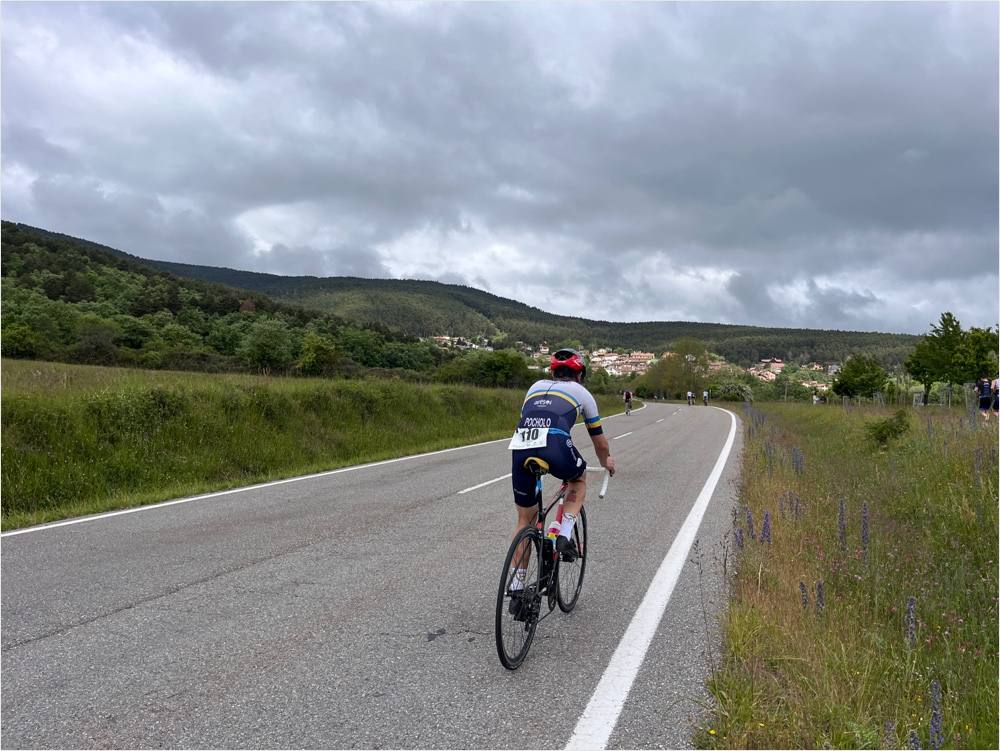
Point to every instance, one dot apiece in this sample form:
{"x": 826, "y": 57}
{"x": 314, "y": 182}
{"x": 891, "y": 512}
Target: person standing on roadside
{"x": 995, "y": 388}
{"x": 985, "y": 392}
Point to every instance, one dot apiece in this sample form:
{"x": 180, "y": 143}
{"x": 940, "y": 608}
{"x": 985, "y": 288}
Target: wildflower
{"x": 864, "y": 529}
{"x": 842, "y": 525}
{"x": 911, "y": 621}
{"x": 798, "y": 506}
{"x": 936, "y": 735}
{"x": 798, "y": 460}
{"x": 889, "y": 734}
{"x": 805, "y": 594}
{"x": 750, "y": 533}
{"x": 711, "y": 731}
{"x": 913, "y": 741}
{"x": 765, "y": 528}
{"x": 820, "y": 596}
{"x": 738, "y": 534}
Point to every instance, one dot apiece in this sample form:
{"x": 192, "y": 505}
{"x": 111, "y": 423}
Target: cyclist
{"x": 548, "y": 414}
{"x": 704, "y": 397}
{"x": 690, "y": 398}
{"x": 628, "y": 401}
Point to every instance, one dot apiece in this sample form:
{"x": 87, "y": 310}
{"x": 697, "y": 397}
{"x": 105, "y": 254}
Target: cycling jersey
{"x": 552, "y": 407}
{"x": 556, "y": 405}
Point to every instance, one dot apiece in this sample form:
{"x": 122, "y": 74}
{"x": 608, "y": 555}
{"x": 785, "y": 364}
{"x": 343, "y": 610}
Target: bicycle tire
{"x": 513, "y": 636}
{"x": 571, "y": 573}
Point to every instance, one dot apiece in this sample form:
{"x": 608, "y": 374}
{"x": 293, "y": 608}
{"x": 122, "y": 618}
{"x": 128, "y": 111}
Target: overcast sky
{"x": 802, "y": 164}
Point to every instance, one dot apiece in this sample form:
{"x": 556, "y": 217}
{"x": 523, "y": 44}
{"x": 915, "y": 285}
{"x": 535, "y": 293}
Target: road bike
{"x": 628, "y": 408}
{"x": 535, "y": 576}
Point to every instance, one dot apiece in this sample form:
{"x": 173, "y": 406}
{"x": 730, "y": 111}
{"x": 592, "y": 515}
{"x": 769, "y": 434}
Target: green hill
{"x": 426, "y": 308}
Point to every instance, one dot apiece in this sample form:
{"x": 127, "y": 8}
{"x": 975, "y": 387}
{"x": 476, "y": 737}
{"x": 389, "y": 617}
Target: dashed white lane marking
{"x": 622, "y": 435}
{"x": 661, "y": 419}
{"x": 599, "y": 718}
{"x": 484, "y": 484}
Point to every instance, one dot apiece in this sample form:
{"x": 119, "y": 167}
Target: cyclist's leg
{"x": 576, "y": 494}
{"x": 523, "y": 484}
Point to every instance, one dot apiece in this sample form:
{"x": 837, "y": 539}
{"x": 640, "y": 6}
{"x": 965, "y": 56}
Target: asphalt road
{"x": 355, "y": 609}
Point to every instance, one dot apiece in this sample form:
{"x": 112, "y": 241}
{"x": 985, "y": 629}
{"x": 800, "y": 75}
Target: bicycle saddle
{"x": 536, "y": 466}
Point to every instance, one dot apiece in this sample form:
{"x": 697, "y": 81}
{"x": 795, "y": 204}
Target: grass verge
{"x": 863, "y": 611}
{"x": 80, "y": 439}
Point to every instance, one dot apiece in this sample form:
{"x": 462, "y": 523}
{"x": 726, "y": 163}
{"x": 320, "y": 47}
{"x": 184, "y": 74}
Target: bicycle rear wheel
{"x": 571, "y": 572}
{"x": 518, "y": 601}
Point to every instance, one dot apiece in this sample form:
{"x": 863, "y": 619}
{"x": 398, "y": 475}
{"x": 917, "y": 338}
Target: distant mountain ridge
{"x": 428, "y": 308}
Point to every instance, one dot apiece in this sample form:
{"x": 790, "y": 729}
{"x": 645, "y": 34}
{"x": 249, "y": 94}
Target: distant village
{"x": 637, "y": 363}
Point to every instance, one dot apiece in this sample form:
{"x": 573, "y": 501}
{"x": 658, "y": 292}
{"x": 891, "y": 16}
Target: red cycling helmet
{"x": 568, "y": 358}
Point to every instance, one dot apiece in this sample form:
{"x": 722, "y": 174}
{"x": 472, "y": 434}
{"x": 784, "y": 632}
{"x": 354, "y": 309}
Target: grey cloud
{"x": 807, "y": 140}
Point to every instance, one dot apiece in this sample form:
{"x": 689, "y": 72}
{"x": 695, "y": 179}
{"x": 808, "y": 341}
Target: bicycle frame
{"x": 550, "y": 577}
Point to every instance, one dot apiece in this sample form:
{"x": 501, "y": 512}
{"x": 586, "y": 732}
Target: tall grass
{"x": 80, "y": 439}
{"x": 870, "y": 618}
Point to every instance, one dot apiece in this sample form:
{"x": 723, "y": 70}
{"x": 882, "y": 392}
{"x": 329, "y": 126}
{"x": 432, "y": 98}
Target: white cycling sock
{"x": 568, "y": 520}
{"x": 517, "y": 581}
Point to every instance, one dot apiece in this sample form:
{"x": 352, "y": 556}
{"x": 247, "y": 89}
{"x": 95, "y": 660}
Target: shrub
{"x": 735, "y": 392}
{"x": 880, "y": 432}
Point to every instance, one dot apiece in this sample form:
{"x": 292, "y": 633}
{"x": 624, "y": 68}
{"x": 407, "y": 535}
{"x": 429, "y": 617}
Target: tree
{"x": 978, "y": 354}
{"x": 20, "y": 340}
{"x": 318, "y": 355}
{"x": 921, "y": 364}
{"x": 950, "y": 355}
{"x": 267, "y": 346}
{"x": 96, "y": 340}
{"x": 860, "y": 376}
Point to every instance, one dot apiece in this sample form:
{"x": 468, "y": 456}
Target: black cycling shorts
{"x": 564, "y": 462}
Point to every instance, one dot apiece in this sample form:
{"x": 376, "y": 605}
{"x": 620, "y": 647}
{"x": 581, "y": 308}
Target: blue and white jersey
{"x": 556, "y": 405}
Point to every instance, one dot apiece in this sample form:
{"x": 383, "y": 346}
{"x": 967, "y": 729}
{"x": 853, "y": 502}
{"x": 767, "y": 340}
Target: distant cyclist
{"x": 690, "y": 398}
{"x": 628, "y": 402}
{"x": 704, "y": 397}
{"x": 548, "y": 414}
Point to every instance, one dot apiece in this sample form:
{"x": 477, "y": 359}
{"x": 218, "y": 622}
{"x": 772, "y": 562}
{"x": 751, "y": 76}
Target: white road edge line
{"x": 95, "y": 517}
{"x": 164, "y": 504}
{"x": 622, "y": 435}
{"x": 484, "y": 484}
{"x": 661, "y": 419}
{"x": 601, "y": 715}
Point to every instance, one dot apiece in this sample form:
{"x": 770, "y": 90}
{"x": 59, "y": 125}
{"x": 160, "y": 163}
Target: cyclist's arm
{"x": 603, "y": 451}
{"x": 592, "y": 419}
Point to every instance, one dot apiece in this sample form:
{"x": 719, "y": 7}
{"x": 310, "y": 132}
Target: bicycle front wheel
{"x": 518, "y": 599}
{"x": 571, "y": 572}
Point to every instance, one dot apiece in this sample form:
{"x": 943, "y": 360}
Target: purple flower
{"x": 750, "y": 532}
{"x": 805, "y": 594}
{"x": 798, "y": 507}
{"x": 798, "y": 460}
{"x": 937, "y": 737}
{"x": 738, "y": 534}
{"x": 765, "y": 528}
{"x": 913, "y": 741}
{"x": 864, "y": 528}
{"x": 889, "y": 735}
{"x": 911, "y": 621}
{"x": 842, "y": 525}
{"x": 820, "y": 596}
